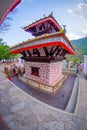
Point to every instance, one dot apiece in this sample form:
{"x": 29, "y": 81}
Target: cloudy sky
{"x": 72, "y": 13}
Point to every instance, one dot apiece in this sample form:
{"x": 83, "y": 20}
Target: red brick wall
{"x": 49, "y": 73}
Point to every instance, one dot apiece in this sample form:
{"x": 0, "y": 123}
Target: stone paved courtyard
{"x": 20, "y": 111}
{"x": 59, "y": 99}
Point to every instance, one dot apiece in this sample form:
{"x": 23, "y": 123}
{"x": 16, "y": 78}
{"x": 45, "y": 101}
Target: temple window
{"x": 35, "y": 71}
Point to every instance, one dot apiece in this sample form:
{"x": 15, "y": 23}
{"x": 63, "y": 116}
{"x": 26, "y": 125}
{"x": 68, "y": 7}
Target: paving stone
{"x": 30, "y": 120}
{"x": 18, "y": 98}
{"x": 12, "y": 125}
{"x": 3, "y": 110}
{"x": 83, "y": 127}
{"x": 18, "y": 117}
{"x": 4, "y": 81}
{"x": 81, "y": 113}
{"x": 70, "y": 125}
{"x": 86, "y": 117}
{"x": 5, "y": 91}
{"x": 51, "y": 126}
{"x": 45, "y": 118}
{"x": 40, "y": 109}
{"x": 16, "y": 93}
{"x": 13, "y": 89}
{"x": 29, "y": 104}
{"x": 17, "y": 107}
{"x": 3, "y": 126}
{"x": 2, "y": 87}
{"x": 78, "y": 120}
{"x": 22, "y": 97}
{"x": 33, "y": 127}
{"x": 24, "y": 128}
{"x": 60, "y": 116}
{"x": 15, "y": 100}
{"x": 83, "y": 104}
{"x": 29, "y": 127}
{"x": 26, "y": 113}
{"x": 83, "y": 97}
{"x": 8, "y": 118}
{"x": 6, "y": 103}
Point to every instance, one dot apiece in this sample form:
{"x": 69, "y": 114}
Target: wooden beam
{"x": 36, "y": 52}
{"x": 42, "y": 59}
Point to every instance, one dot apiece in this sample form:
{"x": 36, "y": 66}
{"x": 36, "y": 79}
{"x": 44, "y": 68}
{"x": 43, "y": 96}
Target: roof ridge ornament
{"x": 64, "y": 29}
{"x": 51, "y": 14}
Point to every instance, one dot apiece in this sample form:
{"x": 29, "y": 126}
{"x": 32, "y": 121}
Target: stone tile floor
{"x": 3, "y": 125}
{"x": 59, "y": 100}
{"x": 20, "y": 111}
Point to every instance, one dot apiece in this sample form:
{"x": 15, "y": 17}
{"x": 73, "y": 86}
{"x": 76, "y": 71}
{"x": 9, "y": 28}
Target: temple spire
{"x": 64, "y": 29}
{"x": 51, "y": 14}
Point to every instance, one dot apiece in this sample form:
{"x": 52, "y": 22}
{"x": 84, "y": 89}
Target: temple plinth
{"x": 43, "y": 55}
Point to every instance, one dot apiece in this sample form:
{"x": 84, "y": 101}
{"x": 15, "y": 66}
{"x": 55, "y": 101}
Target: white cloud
{"x": 84, "y": 31}
{"x": 80, "y": 10}
{"x": 73, "y": 36}
{"x": 70, "y": 11}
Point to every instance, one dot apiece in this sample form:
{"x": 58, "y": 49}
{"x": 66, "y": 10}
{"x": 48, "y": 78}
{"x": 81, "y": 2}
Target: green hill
{"x": 80, "y": 45}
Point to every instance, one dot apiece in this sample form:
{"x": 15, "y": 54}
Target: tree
{"x": 5, "y": 51}
{"x": 1, "y": 42}
{"x": 77, "y": 57}
{"x": 5, "y": 26}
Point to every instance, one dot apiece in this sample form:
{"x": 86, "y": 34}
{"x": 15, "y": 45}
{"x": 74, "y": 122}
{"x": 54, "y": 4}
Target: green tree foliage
{"x": 1, "y": 42}
{"x": 5, "y": 51}
{"x": 80, "y": 46}
{"x": 77, "y": 57}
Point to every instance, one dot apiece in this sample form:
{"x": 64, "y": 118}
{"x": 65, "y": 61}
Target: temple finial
{"x": 44, "y": 15}
{"x": 64, "y": 29}
{"x": 51, "y": 14}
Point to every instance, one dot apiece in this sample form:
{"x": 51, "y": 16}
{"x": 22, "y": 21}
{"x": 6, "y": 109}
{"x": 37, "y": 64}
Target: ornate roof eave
{"x": 24, "y": 44}
{"x": 49, "y": 17}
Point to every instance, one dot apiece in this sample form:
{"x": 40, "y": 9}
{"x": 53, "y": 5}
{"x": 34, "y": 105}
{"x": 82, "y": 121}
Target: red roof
{"x": 49, "y": 19}
{"x": 26, "y": 45}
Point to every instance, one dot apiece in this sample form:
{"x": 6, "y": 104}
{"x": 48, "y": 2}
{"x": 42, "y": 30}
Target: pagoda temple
{"x": 44, "y": 54}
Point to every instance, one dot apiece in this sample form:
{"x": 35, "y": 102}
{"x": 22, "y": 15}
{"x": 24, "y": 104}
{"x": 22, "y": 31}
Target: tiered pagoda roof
{"x": 42, "y": 26}
{"x": 50, "y": 41}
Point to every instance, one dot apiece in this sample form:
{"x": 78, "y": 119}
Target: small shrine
{"x": 44, "y": 54}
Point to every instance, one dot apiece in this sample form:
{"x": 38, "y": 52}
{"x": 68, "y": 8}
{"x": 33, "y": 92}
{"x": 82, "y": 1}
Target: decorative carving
{"x": 42, "y": 59}
{"x": 23, "y": 53}
{"x": 29, "y": 52}
{"x": 54, "y": 53}
{"x": 43, "y": 28}
{"x": 36, "y": 52}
